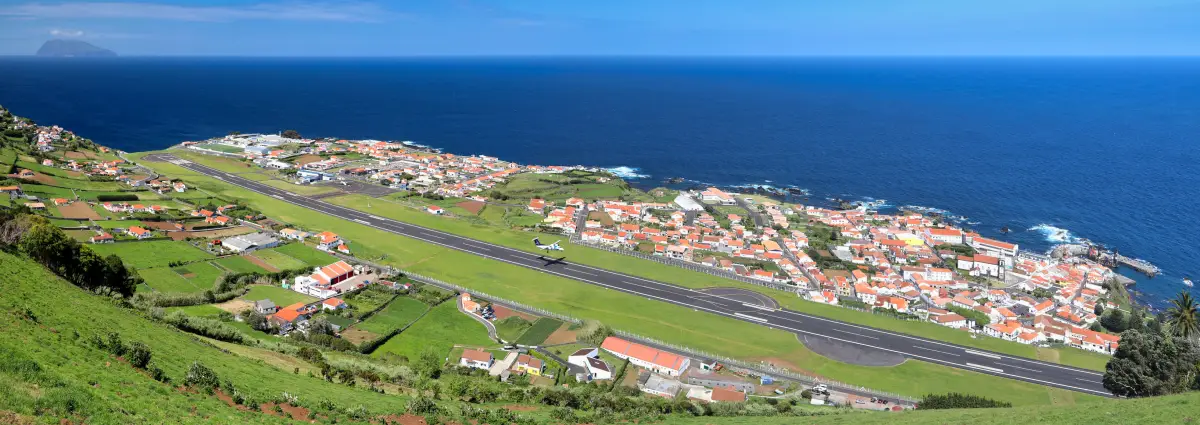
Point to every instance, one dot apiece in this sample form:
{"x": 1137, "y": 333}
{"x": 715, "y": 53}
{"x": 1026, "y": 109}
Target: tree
{"x": 1183, "y": 319}
{"x": 1137, "y": 320}
{"x": 1115, "y": 321}
{"x": 290, "y": 134}
{"x": 320, "y": 326}
{"x": 1043, "y": 293}
{"x": 1099, "y": 310}
{"x": 256, "y": 321}
{"x": 1149, "y": 364}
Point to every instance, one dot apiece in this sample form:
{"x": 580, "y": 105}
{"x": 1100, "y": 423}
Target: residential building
{"x": 477, "y": 359}
{"x": 528, "y": 364}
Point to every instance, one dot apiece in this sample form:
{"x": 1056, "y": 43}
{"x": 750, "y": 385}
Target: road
{"x": 913, "y": 347}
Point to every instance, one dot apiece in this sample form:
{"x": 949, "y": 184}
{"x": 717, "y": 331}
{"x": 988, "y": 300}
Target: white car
{"x": 821, "y": 388}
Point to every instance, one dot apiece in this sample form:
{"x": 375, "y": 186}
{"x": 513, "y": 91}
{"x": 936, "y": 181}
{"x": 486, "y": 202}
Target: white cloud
{"x": 66, "y": 33}
{"x": 292, "y": 11}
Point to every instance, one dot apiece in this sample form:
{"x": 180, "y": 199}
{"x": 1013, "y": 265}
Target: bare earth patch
{"x": 235, "y": 305}
{"x": 307, "y": 158}
{"x": 519, "y": 408}
{"x": 78, "y": 209}
{"x": 471, "y": 206}
{"x": 561, "y": 336}
{"x": 75, "y": 155}
{"x": 159, "y": 225}
{"x": 504, "y": 312}
{"x": 357, "y": 336}
{"x": 405, "y": 419}
{"x": 43, "y": 178}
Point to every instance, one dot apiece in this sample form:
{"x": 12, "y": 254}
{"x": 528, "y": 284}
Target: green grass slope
{"x": 99, "y": 388}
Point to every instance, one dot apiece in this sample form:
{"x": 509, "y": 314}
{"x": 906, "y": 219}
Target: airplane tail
{"x": 536, "y": 241}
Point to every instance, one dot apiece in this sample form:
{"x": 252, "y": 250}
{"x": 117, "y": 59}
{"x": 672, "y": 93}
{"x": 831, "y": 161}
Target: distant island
{"x": 73, "y": 48}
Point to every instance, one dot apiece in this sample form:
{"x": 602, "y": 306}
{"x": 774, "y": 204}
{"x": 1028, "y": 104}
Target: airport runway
{"x": 1019, "y": 368}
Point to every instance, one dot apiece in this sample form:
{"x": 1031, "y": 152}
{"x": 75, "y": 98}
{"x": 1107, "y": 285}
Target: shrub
{"x": 421, "y": 405}
{"x": 806, "y": 394}
{"x": 157, "y": 373}
{"x": 200, "y": 376}
{"x": 958, "y": 401}
{"x": 116, "y": 198}
{"x": 138, "y": 355}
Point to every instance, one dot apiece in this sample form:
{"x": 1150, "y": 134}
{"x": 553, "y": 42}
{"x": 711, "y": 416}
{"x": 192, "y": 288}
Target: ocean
{"x": 1054, "y": 149}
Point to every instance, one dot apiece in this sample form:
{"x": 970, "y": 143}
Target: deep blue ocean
{"x": 1106, "y": 149}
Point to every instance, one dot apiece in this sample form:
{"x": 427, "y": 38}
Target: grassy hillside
{"x": 48, "y": 322}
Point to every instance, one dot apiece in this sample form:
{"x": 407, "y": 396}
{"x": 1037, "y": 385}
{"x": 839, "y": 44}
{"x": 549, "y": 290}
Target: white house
{"x": 589, "y": 360}
{"x": 477, "y": 359}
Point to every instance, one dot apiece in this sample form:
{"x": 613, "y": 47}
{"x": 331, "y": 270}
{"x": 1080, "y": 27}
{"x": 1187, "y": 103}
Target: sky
{"x": 610, "y": 27}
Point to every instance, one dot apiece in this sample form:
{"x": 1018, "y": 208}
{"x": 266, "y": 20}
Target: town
{"x": 203, "y": 256}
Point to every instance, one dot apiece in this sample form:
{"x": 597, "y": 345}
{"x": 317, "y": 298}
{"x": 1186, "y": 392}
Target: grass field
{"x": 152, "y": 253}
{"x": 280, "y": 260}
{"x": 281, "y": 297}
{"x": 195, "y": 277}
{"x": 307, "y": 254}
{"x": 542, "y": 328}
{"x": 635, "y": 314}
{"x": 402, "y": 311}
{"x": 115, "y": 224}
{"x": 442, "y": 328}
{"x": 511, "y": 328}
{"x": 238, "y": 264}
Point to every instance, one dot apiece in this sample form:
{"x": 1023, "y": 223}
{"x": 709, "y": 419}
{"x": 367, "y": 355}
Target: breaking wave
{"x": 1055, "y": 234}
{"x": 627, "y": 172}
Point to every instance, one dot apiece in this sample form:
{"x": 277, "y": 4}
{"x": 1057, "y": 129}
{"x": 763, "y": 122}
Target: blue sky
{"x": 609, "y": 27}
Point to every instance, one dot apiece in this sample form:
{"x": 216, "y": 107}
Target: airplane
{"x": 551, "y": 247}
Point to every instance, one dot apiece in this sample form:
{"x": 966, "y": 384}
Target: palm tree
{"x": 1184, "y": 316}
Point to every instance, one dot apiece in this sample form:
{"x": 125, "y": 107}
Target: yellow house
{"x": 529, "y": 364}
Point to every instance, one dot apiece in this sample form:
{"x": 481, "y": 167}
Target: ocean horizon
{"x": 1056, "y": 149}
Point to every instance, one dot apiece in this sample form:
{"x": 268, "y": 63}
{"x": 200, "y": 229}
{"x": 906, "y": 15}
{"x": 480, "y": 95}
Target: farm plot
{"x": 281, "y": 297}
{"x": 238, "y": 264}
{"x": 400, "y": 312}
{"x": 279, "y": 260}
{"x": 439, "y": 330}
{"x": 147, "y": 254}
{"x": 540, "y": 330}
{"x": 307, "y": 254}
{"x": 78, "y": 210}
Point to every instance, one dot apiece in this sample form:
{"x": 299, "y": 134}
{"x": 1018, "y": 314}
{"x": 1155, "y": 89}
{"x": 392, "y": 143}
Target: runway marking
{"x": 1019, "y": 367}
{"x": 375, "y": 217}
{"x": 979, "y": 353}
{"x": 990, "y": 369}
{"x": 433, "y": 236}
{"x": 936, "y": 351}
{"x": 581, "y": 272}
{"x": 363, "y": 222}
{"x": 758, "y": 307}
{"x": 852, "y": 333}
{"x": 218, "y": 177}
{"x": 727, "y": 314}
{"x": 747, "y": 317}
{"x": 277, "y": 196}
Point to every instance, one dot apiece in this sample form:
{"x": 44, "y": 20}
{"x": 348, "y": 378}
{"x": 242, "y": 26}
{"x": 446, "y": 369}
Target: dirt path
{"x": 261, "y": 263}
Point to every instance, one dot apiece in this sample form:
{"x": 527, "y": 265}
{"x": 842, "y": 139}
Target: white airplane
{"x": 551, "y": 247}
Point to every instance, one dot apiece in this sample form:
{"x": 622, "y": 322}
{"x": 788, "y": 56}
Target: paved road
{"x": 913, "y": 347}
